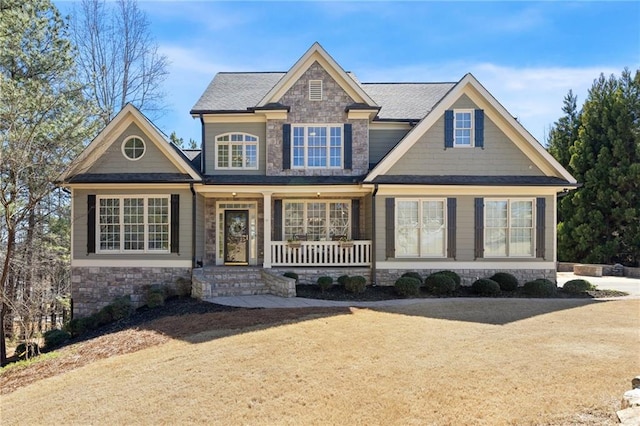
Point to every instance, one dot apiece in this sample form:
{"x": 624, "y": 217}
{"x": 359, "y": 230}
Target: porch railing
{"x": 321, "y": 253}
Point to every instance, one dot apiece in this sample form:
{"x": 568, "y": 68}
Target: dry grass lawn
{"x": 443, "y": 361}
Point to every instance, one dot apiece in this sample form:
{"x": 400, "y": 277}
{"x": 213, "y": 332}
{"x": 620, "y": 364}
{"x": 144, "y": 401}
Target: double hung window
{"x": 128, "y": 224}
{"x": 420, "y": 228}
{"x": 317, "y": 146}
{"x": 237, "y": 151}
{"x": 463, "y": 128}
{"x": 318, "y": 220}
{"x": 508, "y": 227}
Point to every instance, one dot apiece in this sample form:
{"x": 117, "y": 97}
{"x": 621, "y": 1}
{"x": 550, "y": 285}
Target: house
{"x": 312, "y": 171}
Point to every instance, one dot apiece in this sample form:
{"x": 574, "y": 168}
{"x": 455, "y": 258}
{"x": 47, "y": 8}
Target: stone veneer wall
{"x": 330, "y": 110}
{"x": 468, "y": 276}
{"x": 310, "y": 275}
{"x": 92, "y": 288}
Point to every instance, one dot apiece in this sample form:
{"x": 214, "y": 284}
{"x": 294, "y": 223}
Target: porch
{"x": 321, "y": 253}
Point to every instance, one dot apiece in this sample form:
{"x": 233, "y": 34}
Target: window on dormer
{"x": 237, "y": 151}
{"x": 315, "y": 90}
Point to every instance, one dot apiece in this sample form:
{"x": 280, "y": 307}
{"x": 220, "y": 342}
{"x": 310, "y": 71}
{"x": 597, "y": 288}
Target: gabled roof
{"x": 129, "y": 114}
{"x": 471, "y": 87}
{"x": 316, "y": 53}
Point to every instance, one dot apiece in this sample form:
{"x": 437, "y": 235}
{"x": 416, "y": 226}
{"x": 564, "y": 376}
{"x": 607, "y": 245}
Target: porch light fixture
{"x": 233, "y": 194}
{"x": 318, "y": 194}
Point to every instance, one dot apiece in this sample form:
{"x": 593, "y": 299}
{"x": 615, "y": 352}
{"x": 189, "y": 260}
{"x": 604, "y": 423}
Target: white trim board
{"x": 129, "y": 263}
{"x": 455, "y": 265}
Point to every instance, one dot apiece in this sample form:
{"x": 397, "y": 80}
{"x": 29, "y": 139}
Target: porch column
{"x": 266, "y": 231}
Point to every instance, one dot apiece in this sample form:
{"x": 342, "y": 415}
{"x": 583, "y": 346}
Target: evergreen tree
{"x": 43, "y": 123}
{"x": 603, "y": 219}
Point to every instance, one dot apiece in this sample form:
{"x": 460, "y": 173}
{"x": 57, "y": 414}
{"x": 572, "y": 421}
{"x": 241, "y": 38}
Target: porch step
{"x": 227, "y": 281}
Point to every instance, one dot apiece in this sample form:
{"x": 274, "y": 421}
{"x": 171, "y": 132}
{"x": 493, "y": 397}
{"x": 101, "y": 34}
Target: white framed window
{"x": 421, "y": 227}
{"x": 316, "y": 220}
{"x": 316, "y": 146}
{"x": 133, "y": 148}
{"x": 463, "y": 127}
{"x": 133, "y": 224}
{"x": 237, "y": 151}
{"x": 509, "y": 227}
{"x": 315, "y": 90}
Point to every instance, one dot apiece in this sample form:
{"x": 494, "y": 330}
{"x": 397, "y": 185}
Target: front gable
{"x": 106, "y": 155}
{"x": 507, "y": 149}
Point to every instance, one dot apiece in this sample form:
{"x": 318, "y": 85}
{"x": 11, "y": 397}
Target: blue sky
{"x": 527, "y": 54}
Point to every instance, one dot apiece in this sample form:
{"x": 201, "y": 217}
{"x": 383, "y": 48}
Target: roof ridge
{"x": 251, "y": 72}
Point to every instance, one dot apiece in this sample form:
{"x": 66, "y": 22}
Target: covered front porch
{"x": 285, "y": 227}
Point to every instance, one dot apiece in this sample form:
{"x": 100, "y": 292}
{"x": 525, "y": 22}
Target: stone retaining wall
{"x": 92, "y": 288}
{"x": 279, "y": 285}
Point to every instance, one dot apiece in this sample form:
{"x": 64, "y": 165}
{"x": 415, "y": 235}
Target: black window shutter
{"x": 277, "y": 220}
{"x": 91, "y": 223}
{"x": 286, "y": 146}
{"x": 479, "y": 228}
{"x": 390, "y": 225}
{"x": 479, "y": 128}
{"x": 175, "y": 223}
{"x": 348, "y": 131}
{"x": 451, "y": 227}
{"x": 448, "y": 128}
{"x": 540, "y": 227}
{"x": 355, "y": 219}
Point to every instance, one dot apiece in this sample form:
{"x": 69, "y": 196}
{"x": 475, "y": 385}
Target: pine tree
{"x": 603, "y": 217}
{"x": 43, "y": 123}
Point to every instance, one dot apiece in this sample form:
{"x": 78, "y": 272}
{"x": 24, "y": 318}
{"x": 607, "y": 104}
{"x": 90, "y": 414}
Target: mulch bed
{"x": 377, "y": 293}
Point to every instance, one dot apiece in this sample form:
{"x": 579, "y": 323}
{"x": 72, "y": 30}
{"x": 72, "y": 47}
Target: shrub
{"x": 325, "y": 283}
{"x": 121, "y": 307}
{"x": 541, "y": 287}
{"x": 103, "y": 316}
{"x": 415, "y": 275}
{"x": 407, "y": 286}
{"x": 486, "y": 287}
{"x": 53, "y": 338}
{"x": 356, "y": 284}
{"x": 155, "y": 297}
{"x": 26, "y": 350}
{"x": 291, "y": 275}
{"x": 440, "y": 284}
{"x": 578, "y": 286}
{"x": 342, "y": 279}
{"x": 455, "y": 277}
{"x": 183, "y": 287}
{"x": 507, "y": 281}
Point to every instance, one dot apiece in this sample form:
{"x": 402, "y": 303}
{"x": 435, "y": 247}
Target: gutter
{"x": 202, "y": 147}
{"x": 374, "y": 278}
{"x": 193, "y": 226}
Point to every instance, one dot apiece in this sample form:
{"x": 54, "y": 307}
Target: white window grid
{"x": 421, "y": 227}
{"x": 463, "y": 125}
{"x": 509, "y": 226}
{"x": 235, "y": 151}
{"x": 133, "y": 148}
{"x": 317, "y": 146}
{"x": 135, "y": 223}
{"x": 317, "y": 220}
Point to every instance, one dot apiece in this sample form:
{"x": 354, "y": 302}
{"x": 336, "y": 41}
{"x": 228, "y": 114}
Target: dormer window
{"x": 315, "y": 90}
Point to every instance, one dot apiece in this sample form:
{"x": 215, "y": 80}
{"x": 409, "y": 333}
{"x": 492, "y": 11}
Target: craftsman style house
{"x": 312, "y": 171}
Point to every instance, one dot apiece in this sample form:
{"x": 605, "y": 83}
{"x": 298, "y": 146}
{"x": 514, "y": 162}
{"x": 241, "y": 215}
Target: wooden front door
{"x": 236, "y": 238}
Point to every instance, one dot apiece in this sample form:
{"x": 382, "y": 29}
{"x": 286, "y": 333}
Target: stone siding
{"x": 388, "y": 277}
{"x": 310, "y": 275}
{"x": 330, "y": 110}
{"x": 279, "y": 285}
{"x": 92, "y": 288}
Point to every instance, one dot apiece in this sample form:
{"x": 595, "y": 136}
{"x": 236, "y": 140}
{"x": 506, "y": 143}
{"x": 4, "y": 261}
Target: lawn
{"x": 441, "y": 361}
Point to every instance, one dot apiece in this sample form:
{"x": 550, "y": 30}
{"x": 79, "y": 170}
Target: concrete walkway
{"x": 629, "y": 285}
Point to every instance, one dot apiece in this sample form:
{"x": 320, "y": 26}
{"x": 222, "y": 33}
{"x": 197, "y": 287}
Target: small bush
{"x": 155, "y": 297}
{"x": 507, "y": 281}
{"x": 440, "y": 284}
{"x": 356, "y": 284}
{"x": 325, "y": 283}
{"x": 578, "y": 286}
{"x": 291, "y": 275}
{"x": 342, "y": 279}
{"x": 407, "y": 286}
{"x": 104, "y": 316}
{"x": 121, "y": 308}
{"x": 541, "y": 287}
{"x": 53, "y": 338}
{"x": 486, "y": 287}
{"x": 26, "y": 350}
{"x": 455, "y": 277}
{"x": 415, "y": 275}
{"x": 183, "y": 287}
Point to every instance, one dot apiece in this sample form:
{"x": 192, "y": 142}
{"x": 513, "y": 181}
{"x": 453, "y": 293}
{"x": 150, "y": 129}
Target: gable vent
{"x": 315, "y": 90}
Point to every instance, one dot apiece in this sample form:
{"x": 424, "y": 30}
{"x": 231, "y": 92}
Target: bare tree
{"x": 118, "y": 58}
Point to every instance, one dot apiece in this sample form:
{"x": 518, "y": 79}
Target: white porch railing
{"x": 321, "y": 253}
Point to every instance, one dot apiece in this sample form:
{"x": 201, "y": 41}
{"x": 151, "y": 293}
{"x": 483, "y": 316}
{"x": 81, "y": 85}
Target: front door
{"x": 236, "y": 238}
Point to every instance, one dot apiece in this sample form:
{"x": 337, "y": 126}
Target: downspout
{"x": 202, "y": 147}
{"x": 374, "y": 278}
{"x": 193, "y": 226}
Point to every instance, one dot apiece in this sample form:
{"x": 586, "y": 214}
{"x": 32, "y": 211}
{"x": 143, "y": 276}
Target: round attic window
{"x": 133, "y": 148}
